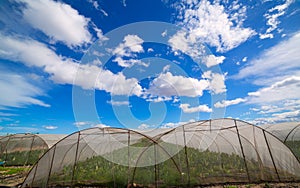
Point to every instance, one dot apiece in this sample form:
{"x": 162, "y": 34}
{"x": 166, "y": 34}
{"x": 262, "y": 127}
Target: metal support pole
{"x": 271, "y": 155}
{"x": 186, "y": 157}
{"x": 237, "y": 130}
{"x": 75, "y": 161}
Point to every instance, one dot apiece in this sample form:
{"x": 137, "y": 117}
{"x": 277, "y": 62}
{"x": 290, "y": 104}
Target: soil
{"x": 261, "y": 185}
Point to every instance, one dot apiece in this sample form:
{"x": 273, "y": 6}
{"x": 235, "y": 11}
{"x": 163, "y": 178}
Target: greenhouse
{"x": 21, "y": 149}
{"x": 207, "y": 152}
{"x": 18, "y": 152}
{"x": 25, "y": 149}
{"x": 288, "y": 133}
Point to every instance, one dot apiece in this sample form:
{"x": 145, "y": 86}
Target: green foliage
{"x": 188, "y": 167}
{"x": 12, "y": 170}
{"x": 21, "y": 158}
{"x": 12, "y": 175}
{"x": 295, "y": 147}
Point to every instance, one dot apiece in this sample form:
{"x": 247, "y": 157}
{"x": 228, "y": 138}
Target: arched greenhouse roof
{"x": 200, "y": 153}
{"x": 288, "y": 132}
{"x": 21, "y": 149}
{"x": 51, "y": 139}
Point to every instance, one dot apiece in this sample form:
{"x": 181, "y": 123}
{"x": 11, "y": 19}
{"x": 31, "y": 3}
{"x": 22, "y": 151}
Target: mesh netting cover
{"x": 199, "y": 153}
{"x": 21, "y": 149}
{"x": 288, "y": 133}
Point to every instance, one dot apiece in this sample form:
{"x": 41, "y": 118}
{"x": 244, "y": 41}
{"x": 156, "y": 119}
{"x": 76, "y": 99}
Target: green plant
{"x": 295, "y": 147}
{"x": 21, "y": 158}
{"x": 188, "y": 166}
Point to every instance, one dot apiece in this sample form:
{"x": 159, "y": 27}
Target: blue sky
{"x": 70, "y": 65}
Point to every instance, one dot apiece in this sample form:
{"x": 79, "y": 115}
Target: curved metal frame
{"x": 33, "y": 137}
{"x": 154, "y": 142}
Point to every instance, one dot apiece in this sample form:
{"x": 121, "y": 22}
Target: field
{"x": 10, "y": 176}
{"x": 17, "y": 165}
{"x": 206, "y": 168}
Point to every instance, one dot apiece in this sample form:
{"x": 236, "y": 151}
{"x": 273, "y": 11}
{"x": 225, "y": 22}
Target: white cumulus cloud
{"x": 186, "y": 108}
{"x": 144, "y": 126}
{"x": 216, "y": 82}
{"x": 131, "y": 44}
{"x": 167, "y": 84}
{"x": 212, "y": 24}
{"x": 212, "y": 60}
{"x": 57, "y": 20}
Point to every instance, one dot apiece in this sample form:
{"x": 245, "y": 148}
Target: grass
{"x": 4, "y": 171}
{"x": 17, "y": 165}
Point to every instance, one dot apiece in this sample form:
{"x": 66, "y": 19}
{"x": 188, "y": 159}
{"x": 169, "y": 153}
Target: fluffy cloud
{"x": 66, "y": 71}
{"x": 212, "y": 60}
{"x": 201, "y": 108}
{"x": 216, "y": 82}
{"x": 210, "y": 23}
{"x": 90, "y": 76}
{"x": 144, "y": 126}
{"x": 57, "y": 20}
{"x": 272, "y": 18}
{"x": 166, "y": 84}
{"x": 225, "y": 103}
{"x": 131, "y": 44}
{"x": 17, "y": 91}
{"x": 281, "y": 60}
{"x": 187, "y": 43}
{"x": 101, "y": 125}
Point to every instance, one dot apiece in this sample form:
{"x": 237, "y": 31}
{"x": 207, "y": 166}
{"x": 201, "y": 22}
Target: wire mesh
{"x": 195, "y": 154}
